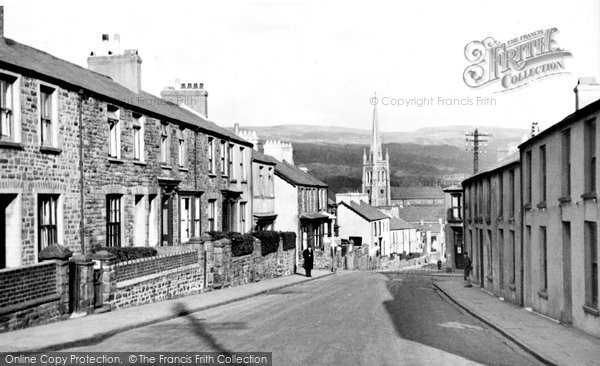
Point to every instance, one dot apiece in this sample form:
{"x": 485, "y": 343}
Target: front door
{"x": 166, "y": 218}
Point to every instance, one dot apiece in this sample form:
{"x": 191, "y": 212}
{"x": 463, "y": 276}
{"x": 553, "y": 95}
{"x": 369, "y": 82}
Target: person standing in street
{"x": 308, "y": 260}
{"x": 468, "y": 268}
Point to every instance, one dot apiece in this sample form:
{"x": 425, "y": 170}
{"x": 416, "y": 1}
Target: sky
{"x": 320, "y": 62}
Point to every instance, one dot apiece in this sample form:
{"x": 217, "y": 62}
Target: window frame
{"x": 47, "y": 232}
{"x": 113, "y": 117}
{"x": 113, "y": 228}
{"x": 52, "y": 120}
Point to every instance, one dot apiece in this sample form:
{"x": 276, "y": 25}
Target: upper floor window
{"x": 528, "y": 176}
{"x": 7, "y": 107}
{"x": 230, "y": 169}
{"x": 270, "y": 181}
{"x": 222, "y": 155}
{"x": 164, "y": 143}
{"x": 501, "y": 194}
{"x": 212, "y": 213}
{"x": 590, "y": 156}
{"x": 566, "y": 163}
{"x": 114, "y": 125}
{"x": 181, "y": 150}
{"x": 48, "y": 115}
{"x": 543, "y": 171}
{"x": 511, "y": 193}
{"x": 138, "y": 137}
{"x": 455, "y": 206}
{"x": 211, "y": 155}
{"x": 242, "y": 164}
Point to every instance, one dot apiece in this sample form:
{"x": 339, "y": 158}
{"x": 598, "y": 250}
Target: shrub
{"x": 241, "y": 244}
{"x": 289, "y": 240}
{"x": 269, "y": 241}
{"x": 125, "y": 254}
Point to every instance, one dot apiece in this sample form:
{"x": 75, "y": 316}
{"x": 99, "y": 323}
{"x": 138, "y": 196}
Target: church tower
{"x": 376, "y": 168}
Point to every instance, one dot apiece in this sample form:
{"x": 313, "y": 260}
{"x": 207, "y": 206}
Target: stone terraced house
{"x": 86, "y": 159}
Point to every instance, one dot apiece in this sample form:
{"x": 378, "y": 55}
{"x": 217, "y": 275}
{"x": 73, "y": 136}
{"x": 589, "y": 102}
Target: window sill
{"x": 543, "y": 294}
{"x": 140, "y": 163}
{"x": 183, "y": 169}
{"x": 588, "y": 309}
{"x": 166, "y": 167}
{"x": 50, "y": 150}
{"x": 564, "y": 199}
{"x": 115, "y": 160}
{"x": 512, "y": 286}
{"x": 541, "y": 205}
{"x": 589, "y": 196}
{"x": 11, "y": 145}
{"x": 527, "y": 206}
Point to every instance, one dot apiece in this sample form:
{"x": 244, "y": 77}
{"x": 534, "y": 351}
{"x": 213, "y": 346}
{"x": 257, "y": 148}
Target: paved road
{"x": 352, "y": 318}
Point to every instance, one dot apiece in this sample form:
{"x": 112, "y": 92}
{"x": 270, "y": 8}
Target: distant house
{"x": 263, "y": 198}
{"x": 454, "y": 226}
{"x": 361, "y": 220}
{"x": 404, "y": 237}
{"x": 429, "y": 222}
{"x": 417, "y": 196}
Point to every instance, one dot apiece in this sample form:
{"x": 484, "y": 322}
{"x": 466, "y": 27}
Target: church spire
{"x": 376, "y": 153}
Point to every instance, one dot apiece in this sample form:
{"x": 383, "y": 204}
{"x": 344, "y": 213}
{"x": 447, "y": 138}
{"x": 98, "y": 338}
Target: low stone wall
{"x": 147, "y": 266}
{"x": 147, "y": 280}
{"x": 34, "y": 294}
{"x": 164, "y": 285}
{"x": 254, "y": 267}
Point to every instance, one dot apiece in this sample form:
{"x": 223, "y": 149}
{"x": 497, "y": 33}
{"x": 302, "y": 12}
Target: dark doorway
{"x": 166, "y": 218}
{"x": 481, "y": 269}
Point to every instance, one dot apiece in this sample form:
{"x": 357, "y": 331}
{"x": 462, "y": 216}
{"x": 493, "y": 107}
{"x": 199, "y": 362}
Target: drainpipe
{"x": 81, "y": 175}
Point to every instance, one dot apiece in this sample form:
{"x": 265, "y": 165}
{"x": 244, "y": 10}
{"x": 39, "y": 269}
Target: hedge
{"x": 241, "y": 244}
{"x": 125, "y": 254}
{"x": 269, "y": 241}
{"x": 289, "y": 240}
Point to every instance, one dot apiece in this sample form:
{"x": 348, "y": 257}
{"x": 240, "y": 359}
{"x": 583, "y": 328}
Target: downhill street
{"x": 353, "y": 318}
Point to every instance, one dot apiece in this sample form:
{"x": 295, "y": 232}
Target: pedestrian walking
{"x": 308, "y": 255}
{"x": 468, "y": 268}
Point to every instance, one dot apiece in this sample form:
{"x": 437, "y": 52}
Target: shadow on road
{"x": 420, "y": 314}
{"x": 199, "y": 329}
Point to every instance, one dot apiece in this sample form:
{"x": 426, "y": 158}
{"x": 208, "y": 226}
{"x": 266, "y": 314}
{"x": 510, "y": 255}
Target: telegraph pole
{"x": 476, "y": 139}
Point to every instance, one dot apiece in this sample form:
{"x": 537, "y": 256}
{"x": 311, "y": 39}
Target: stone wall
{"x": 148, "y": 266}
{"x": 255, "y": 267}
{"x": 33, "y": 295}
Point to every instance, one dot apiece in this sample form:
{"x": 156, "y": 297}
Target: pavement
{"x": 94, "y": 328}
{"x": 546, "y": 339}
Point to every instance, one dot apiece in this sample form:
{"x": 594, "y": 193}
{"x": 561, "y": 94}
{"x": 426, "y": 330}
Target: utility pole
{"x": 475, "y": 140}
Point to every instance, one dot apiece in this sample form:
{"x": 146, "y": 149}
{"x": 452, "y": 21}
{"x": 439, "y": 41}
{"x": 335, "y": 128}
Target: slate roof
{"x": 402, "y": 193}
{"x": 256, "y": 156}
{"x": 434, "y": 228}
{"x": 399, "y": 224}
{"x": 365, "y": 210}
{"x": 33, "y": 62}
{"x": 415, "y": 214}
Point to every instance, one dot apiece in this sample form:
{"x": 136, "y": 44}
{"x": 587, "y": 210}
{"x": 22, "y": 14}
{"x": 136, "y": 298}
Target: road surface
{"x": 351, "y": 318}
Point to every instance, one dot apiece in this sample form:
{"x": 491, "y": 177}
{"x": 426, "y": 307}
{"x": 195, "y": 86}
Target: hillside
{"x": 420, "y": 157}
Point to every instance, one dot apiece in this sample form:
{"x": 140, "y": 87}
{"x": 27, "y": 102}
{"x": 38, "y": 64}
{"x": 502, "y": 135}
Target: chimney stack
{"x": 1, "y": 21}
{"x": 191, "y": 94}
{"x": 586, "y": 91}
{"x": 125, "y": 69}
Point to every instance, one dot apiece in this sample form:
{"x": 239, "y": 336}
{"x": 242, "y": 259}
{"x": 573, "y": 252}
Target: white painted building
{"x": 361, "y": 222}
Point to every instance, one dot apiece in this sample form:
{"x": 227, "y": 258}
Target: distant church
{"x": 376, "y": 169}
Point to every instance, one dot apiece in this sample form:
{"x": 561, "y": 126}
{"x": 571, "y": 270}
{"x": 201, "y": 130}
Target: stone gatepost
{"x": 60, "y": 255}
{"x": 209, "y": 263}
{"x": 105, "y": 263}
{"x": 257, "y": 271}
{"x": 84, "y": 288}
